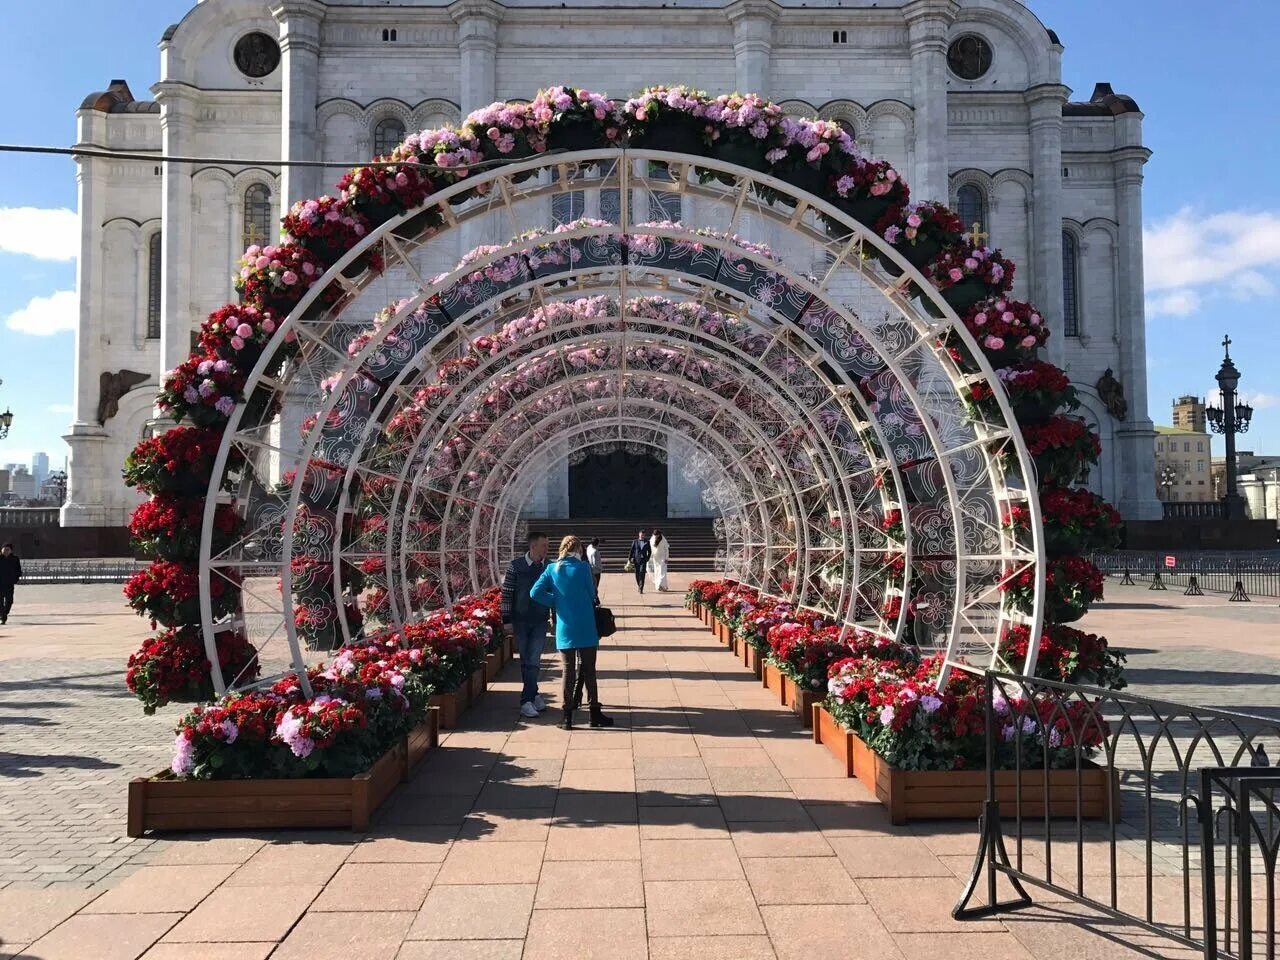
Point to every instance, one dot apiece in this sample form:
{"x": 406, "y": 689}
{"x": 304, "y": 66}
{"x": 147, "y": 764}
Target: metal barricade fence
{"x": 1256, "y": 573}
{"x": 80, "y": 571}
{"x": 1156, "y": 813}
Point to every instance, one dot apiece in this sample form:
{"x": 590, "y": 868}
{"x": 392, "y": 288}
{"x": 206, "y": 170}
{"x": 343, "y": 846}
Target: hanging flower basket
{"x": 963, "y": 295}
{"x": 674, "y": 132}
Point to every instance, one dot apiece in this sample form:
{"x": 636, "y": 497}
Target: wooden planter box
{"x": 722, "y": 632}
{"x": 163, "y": 802}
{"x": 959, "y": 794}
{"x": 800, "y": 700}
{"x": 696, "y": 608}
{"x": 752, "y": 658}
{"x": 494, "y": 664}
{"x": 453, "y": 704}
{"x": 773, "y": 680}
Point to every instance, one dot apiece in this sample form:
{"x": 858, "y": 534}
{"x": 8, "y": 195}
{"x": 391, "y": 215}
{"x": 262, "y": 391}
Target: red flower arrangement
{"x": 168, "y": 527}
{"x": 967, "y": 274}
{"x": 169, "y": 593}
{"x": 921, "y": 230}
{"x": 328, "y": 227}
{"x": 176, "y": 461}
{"x": 1067, "y": 655}
{"x": 1074, "y": 521}
{"x": 172, "y": 666}
{"x": 275, "y": 278}
{"x": 1064, "y": 448}
{"x": 1071, "y": 584}
{"x": 238, "y": 333}
{"x": 1006, "y": 329}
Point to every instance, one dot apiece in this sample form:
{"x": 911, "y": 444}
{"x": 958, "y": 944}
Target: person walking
{"x": 567, "y": 586}
{"x": 595, "y": 561}
{"x": 525, "y": 620}
{"x": 660, "y": 553}
{"x": 10, "y": 574}
{"x": 639, "y": 558}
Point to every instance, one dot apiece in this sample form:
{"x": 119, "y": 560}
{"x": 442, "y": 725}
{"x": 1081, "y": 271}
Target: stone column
{"x": 1135, "y": 434}
{"x": 752, "y": 43}
{"x": 299, "y": 22}
{"x": 1044, "y": 106}
{"x": 477, "y": 22}
{"x": 928, "y": 22}
{"x": 87, "y": 471}
{"x": 178, "y": 103}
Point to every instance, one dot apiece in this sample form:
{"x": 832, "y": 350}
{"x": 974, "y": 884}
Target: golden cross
{"x": 251, "y": 235}
{"x": 976, "y": 236}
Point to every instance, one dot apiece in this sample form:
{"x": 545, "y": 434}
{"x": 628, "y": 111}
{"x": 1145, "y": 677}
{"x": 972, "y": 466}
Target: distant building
{"x": 1182, "y": 465}
{"x": 1188, "y": 414}
{"x": 22, "y": 485}
{"x": 40, "y": 468}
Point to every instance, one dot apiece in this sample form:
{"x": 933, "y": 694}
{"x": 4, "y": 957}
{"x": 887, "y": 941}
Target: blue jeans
{"x": 530, "y": 638}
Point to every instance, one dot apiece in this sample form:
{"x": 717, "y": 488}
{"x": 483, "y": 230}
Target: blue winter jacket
{"x": 567, "y": 585}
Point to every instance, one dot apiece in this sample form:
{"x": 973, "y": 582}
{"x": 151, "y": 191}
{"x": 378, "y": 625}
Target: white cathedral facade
{"x": 965, "y": 97}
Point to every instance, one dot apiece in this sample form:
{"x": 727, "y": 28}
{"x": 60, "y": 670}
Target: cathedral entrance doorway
{"x": 618, "y": 485}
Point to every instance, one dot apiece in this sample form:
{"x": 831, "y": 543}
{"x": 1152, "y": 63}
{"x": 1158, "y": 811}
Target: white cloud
{"x": 1189, "y": 257}
{"x": 1176, "y": 303}
{"x": 46, "y": 234}
{"x": 45, "y": 316}
{"x": 1259, "y": 400}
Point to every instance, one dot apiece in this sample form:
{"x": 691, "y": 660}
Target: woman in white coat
{"x": 660, "y": 552}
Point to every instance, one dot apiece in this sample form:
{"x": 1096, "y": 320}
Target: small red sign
{"x": 1170, "y": 562}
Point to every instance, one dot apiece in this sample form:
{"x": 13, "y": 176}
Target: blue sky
{"x": 1212, "y": 197}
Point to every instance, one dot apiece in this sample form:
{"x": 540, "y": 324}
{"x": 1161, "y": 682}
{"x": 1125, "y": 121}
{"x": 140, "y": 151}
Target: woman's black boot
{"x": 566, "y": 723}
{"x": 598, "y": 719}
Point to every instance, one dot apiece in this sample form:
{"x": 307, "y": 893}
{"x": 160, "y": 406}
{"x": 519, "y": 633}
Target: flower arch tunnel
{"x": 382, "y": 406}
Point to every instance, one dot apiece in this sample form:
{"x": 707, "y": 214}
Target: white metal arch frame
{"x": 826, "y": 473}
{"x": 925, "y": 378}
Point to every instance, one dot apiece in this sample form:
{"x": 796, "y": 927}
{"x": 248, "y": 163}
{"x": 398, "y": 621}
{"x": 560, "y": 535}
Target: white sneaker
{"x": 538, "y": 703}
{"x": 528, "y": 710}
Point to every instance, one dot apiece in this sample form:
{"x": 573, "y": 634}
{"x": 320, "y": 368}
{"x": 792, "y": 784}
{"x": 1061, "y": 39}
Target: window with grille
{"x": 664, "y": 204}
{"x": 387, "y": 135}
{"x": 153, "y": 286}
{"x": 1070, "y": 285}
{"x": 257, "y": 215}
{"x": 971, "y": 205}
{"x": 567, "y": 207}
{"x": 610, "y": 205}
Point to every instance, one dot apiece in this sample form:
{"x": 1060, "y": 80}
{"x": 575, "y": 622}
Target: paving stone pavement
{"x": 705, "y": 825}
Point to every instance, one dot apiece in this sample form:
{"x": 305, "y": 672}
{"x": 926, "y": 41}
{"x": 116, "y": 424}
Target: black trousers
{"x": 572, "y": 661}
{"x": 6, "y": 601}
{"x": 640, "y": 574}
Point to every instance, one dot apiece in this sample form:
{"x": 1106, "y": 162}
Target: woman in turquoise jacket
{"x": 568, "y": 586}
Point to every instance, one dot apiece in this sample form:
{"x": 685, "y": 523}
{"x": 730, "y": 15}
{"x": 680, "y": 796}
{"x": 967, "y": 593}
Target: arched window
{"x": 387, "y": 135}
{"x": 1070, "y": 285}
{"x": 153, "y": 286}
{"x": 257, "y": 215}
{"x": 971, "y": 205}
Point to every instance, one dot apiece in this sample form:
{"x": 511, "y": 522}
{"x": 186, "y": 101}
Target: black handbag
{"x": 606, "y": 626}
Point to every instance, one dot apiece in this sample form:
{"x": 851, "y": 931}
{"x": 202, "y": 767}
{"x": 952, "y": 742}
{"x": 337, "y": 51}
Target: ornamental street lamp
{"x": 1230, "y": 418}
{"x": 1168, "y": 477}
{"x": 6, "y": 420}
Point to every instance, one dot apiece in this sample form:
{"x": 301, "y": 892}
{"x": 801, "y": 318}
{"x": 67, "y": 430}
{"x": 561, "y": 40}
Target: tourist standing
{"x": 524, "y": 619}
{"x": 639, "y": 558}
{"x": 567, "y": 586}
{"x": 10, "y": 574}
{"x": 596, "y": 561}
{"x": 660, "y": 553}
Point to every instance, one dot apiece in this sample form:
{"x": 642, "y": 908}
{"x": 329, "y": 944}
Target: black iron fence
{"x": 80, "y": 571}
{"x": 1192, "y": 510}
{"x": 1242, "y": 575}
{"x": 1156, "y": 813}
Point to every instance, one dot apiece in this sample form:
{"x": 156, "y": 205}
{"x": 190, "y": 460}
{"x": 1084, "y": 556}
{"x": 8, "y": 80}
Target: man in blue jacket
{"x": 526, "y": 620}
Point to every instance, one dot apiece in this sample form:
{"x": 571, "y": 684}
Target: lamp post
{"x": 1229, "y": 419}
{"x": 6, "y": 420}
{"x": 1168, "y": 477}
